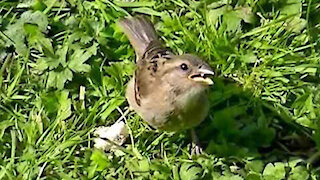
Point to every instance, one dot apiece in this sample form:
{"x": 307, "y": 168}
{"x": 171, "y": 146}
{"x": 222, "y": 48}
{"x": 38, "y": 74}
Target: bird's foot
{"x": 196, "y": 149}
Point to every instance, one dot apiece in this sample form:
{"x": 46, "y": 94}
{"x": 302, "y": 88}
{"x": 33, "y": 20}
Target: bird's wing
{"x": 147, "y": 78}
{"x": 149, "y": 51}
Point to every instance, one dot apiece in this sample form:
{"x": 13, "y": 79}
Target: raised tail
{"x": 140, "y": 33}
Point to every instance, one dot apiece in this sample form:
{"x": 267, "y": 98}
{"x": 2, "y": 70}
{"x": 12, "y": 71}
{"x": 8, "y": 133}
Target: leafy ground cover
{"x": 264, "y": 120}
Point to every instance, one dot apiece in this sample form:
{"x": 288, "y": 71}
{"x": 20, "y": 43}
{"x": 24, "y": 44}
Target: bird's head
{"x": 188, "y": 70}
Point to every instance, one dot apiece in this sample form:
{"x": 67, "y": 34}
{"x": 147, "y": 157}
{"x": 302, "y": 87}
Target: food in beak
{"x": 202, "y": 76}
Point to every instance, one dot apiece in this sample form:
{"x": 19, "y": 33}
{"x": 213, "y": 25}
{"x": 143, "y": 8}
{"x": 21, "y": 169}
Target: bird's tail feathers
{"x": 140, "y": 33}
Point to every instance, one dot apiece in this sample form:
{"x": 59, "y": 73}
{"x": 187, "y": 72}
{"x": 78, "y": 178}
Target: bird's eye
{"x": 184, "y": 67}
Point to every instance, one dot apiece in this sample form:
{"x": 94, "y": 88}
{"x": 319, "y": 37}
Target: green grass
{"x": 263, "y": 123}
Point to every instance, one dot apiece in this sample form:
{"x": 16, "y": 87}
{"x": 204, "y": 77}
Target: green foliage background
{"x": 264, "y": 120}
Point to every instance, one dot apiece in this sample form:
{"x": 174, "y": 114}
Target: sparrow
{"x": 168, "y": 91}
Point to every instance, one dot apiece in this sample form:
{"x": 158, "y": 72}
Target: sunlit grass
{"x": 263, "y": 123}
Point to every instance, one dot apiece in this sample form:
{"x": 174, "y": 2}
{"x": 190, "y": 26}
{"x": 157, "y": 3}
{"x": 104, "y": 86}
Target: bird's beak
{"x": 202, "y": 76}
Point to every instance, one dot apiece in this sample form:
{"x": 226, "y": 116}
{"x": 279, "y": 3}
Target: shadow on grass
{"x": 238, "y": 126}
{"x": 241, "y": 125}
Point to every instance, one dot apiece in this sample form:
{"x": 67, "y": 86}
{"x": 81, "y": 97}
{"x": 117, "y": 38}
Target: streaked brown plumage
{"x": 168, "y": 91}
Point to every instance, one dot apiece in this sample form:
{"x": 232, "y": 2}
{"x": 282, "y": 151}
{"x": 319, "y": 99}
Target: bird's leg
{"x": 196, "y": 147}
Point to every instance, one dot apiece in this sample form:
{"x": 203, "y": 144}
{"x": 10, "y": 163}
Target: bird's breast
{"x": 165, "y": 110}
{"x": 178, "y": 113}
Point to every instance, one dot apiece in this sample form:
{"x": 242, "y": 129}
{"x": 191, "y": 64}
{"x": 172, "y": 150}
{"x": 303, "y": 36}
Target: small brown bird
{"x": 168, "y": 91}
